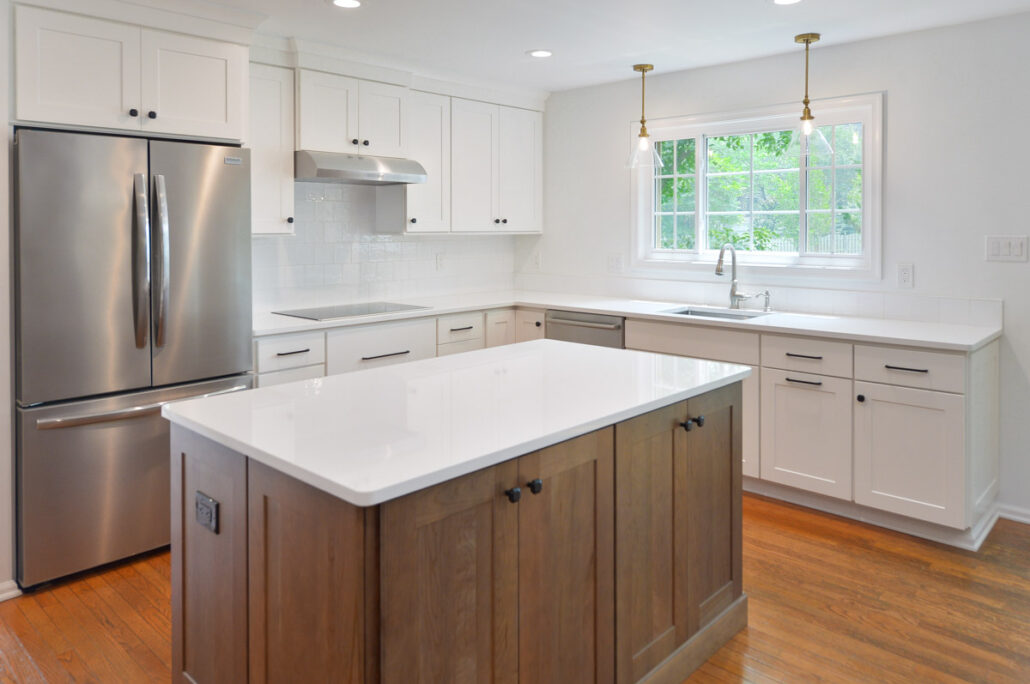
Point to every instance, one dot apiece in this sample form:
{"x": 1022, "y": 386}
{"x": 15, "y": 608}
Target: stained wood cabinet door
{"x": 449, "y": 578}
{"x": 308, "y": 582}
{"x": 677, "y": 526}
{"x": 566, "y": 562}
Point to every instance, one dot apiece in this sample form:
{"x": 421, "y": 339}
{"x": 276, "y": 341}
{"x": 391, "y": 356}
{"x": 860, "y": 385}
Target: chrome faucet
{"x": 736, "y": 296}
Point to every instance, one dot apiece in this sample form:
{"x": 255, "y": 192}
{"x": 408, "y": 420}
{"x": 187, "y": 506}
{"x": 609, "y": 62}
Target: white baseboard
{"x": 969, "y": 539}
{"x": 1016, "y": 513}
{"x": 9, "y": 590}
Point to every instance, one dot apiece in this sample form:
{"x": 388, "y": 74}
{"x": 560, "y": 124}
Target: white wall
{"x": 336, "y": 256}
{"x": 7, "y": 585}
{"x": 955, "y": 166}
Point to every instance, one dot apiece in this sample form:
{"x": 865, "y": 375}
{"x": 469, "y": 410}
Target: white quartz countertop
{"x": 374, "y": 435}
{"x": 945, "y": 336}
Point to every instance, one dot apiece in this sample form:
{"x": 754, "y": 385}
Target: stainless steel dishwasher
{"x": 586, "y": 328}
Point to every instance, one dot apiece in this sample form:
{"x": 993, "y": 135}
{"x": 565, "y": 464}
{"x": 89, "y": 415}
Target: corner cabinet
{"x": 94, "y": 73}
{"x": 496, "y": 168}
{"x": 271, "y": 150}
{"x": 342, "y": 114}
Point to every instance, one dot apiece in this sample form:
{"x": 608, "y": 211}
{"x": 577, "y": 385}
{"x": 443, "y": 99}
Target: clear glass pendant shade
{"x": 644, "y": 154}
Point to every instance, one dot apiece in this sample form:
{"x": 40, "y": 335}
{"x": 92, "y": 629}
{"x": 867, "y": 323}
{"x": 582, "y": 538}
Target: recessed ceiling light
{"x": 786, "y": 2}
{"x": 351, "y": 4}
{"x": 539, "y": 53}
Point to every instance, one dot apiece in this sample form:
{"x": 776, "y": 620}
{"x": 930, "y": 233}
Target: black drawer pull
{"x": 806, "y": 382}
{"x": 467, "y": 327}
{"x": 291, "y": 353}
{"x": 907, "y": 370}
{"x": 804, "y": 356}
{"x": 383, "y": 356}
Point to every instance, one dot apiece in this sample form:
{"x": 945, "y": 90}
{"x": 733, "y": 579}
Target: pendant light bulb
{"x": 644, "y": 154}
{"x": 807, "y": 127}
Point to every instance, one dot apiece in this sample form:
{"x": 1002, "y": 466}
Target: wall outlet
{"x": 535, "y": 261}
{"x": 616, "y": 263}
{"x": 1005, "y": 248}
{"x": 906, "y": 276}
{"x": 439, "y": 262}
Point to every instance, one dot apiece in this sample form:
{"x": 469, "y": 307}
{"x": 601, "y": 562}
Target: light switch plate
{"x": 906, "y": 276}
{"x": 1005, "y": 248}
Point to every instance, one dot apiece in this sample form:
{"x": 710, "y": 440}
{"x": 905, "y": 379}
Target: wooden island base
{"x": 618, "y": 560}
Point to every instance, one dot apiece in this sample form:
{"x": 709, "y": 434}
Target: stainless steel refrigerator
{"x": 132, "y": 273}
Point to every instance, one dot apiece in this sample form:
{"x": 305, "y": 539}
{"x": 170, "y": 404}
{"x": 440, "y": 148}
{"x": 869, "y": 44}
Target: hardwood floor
{"x": 830, "y": 600}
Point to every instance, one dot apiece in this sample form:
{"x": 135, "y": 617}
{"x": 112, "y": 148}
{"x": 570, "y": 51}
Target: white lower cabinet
{"x": 910, "y": 452}
{"x": 529, "y": 325}
{"x": 291, "y": 375}
{"x": 806, "y": 431}
{"x": 500, "y": 327}
{"x": 379, "y": 344}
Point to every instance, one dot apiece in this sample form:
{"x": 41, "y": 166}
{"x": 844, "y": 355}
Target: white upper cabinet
{"x": 474, "y": 165}
{"x": 271, "y": 149}
{"x": 381, "y": 118}
{"x": 80, "y": 71}
{"x": 327, "y": 116}
{"x": 428, "y": 132}
{"x": 193, "y": 86}
{"x": 343, "y": 114}
{"x": 497, "y": 162}
{"x": 71, "y": 69}
{"x": 520, "y": 186}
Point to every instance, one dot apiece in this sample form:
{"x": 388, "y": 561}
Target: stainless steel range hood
{"x": 335, "y": 167}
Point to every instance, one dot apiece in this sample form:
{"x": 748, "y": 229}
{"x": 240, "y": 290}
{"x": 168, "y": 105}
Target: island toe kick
{"x": 611, "y": 557}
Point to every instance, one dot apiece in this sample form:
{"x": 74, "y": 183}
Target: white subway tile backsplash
{"x": 336, "y": 256}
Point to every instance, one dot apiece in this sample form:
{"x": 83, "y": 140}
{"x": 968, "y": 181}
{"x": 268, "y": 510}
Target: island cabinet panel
{"x": 209, "y": 567}
{"x": 677, "y": 532}
{"x": 307, "y": 581}
{"x": 566, "y": 562}
{"x": 449, "y": 578}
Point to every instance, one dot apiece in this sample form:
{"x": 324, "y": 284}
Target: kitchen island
{"x": 542, "y": 512}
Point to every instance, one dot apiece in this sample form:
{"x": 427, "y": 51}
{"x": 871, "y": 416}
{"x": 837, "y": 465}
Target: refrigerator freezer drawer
{"x": 93, "y": 480}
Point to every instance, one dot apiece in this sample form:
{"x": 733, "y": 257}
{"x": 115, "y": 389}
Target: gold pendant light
{"x": 806, "y": 114}
{"x": 644, "y": 152}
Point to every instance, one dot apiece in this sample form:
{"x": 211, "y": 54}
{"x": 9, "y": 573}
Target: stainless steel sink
{"x": 715, "y": 312}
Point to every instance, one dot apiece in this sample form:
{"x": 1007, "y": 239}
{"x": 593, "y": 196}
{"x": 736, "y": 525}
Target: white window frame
{"x": 864, "y": 109}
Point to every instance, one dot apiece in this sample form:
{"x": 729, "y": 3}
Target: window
{"x": 781, "y": 198}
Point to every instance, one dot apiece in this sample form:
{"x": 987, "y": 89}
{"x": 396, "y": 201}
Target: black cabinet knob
{"x": 365, "y": 143}
{"x": 861, "y": 398}
{"x": 134, "y": 112}
{"x": 538, "y": 324}
{"x": 414, "y": 220}
{"x": 504, "y": 220}
{"x": 354, "y": 141}
{"x": 536, "y": 486}
{"x": 689, "y": 423}
{"x": 497, "y": 220}
{"x": 289, "y": 219}
{"x": 513, "y": 494}
{"x": 151, "y": 114}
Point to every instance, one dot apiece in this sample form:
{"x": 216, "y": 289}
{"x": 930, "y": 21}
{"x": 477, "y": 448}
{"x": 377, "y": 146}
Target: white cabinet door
{"x": 500, "y": 327}
{"x": 751, "y": 407}
{"x": 910, "y": 452}
{"x": 806, "y": 432}
{"x": 529, "y": 325}
{"x": 271, "y": 149}
{"x": 474, "y": 166}
{"x": 520, "y": 176}
{"x": 380, "y": 344}
{"x": 428, "y": 130}
{"x": 75, "y": 70}
{"x": 193, "y": 86}
{"x": 327, "y": 111}
{"x": 382, "y": 110}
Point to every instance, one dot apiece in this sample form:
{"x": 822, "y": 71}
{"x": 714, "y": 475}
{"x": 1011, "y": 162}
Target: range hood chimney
{"x": 336, "y": 167}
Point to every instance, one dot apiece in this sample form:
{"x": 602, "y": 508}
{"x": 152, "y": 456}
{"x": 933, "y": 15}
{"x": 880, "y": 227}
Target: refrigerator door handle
{"x": 119, "y": 414}
{"x": 141, "y": 261}
{"x": 161, "y": 261}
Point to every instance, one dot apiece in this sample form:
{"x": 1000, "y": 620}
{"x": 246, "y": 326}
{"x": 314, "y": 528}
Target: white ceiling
{"x": 595, "y": 41}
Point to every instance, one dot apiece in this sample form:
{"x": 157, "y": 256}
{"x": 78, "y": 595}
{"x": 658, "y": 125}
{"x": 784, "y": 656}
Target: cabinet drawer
{"x": 807, "y": 355}
{"x": 289, "y": 351}
{"x": 690, "y": 340}
{"x": 369, "y": 346}
{"x": 459, "y": 347}
{"x": 911, "y": 368}
{"x": 459, "y": 327}
{"x": 290, "y": 375}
